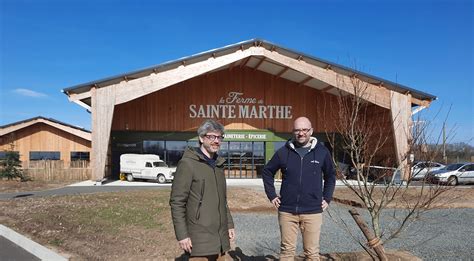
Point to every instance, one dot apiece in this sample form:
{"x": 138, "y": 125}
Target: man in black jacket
{"x": 304, "y": 164}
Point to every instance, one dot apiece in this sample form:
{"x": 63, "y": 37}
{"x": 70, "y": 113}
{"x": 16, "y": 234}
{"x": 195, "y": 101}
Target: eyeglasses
{"x": 214, "y": 137}
{"x": 304, "y": 131}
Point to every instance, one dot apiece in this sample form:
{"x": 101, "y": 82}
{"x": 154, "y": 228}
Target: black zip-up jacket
{"x": 302, "y": 190}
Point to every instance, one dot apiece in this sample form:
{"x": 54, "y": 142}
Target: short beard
{"x": 299, "y": 145}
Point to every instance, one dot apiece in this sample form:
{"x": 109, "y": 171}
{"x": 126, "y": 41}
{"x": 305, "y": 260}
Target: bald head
{"x": 302, "y": 122}
{"x": 302, "y": 131}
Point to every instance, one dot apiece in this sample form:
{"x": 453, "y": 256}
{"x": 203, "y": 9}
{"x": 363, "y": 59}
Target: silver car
{"x": 421, "y": 168}
{"x": 453, "y": 174}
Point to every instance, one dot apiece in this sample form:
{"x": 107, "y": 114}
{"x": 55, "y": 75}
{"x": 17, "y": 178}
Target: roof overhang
{"x": 260, "y": 55}
{"x": 82, "y": 133}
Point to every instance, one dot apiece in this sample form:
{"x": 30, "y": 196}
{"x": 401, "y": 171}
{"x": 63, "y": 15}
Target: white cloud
{"x": 29, "y": 93}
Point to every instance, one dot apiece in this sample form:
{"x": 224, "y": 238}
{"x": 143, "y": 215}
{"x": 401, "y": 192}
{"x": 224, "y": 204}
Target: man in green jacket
{"x": 202, "y": 221}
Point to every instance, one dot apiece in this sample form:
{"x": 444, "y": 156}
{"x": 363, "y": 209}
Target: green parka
{"x": 199, "y": 204}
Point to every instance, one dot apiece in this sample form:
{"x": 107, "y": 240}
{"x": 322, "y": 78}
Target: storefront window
{"x": 175, "y": 145}
{"x": 154, "y": 147}
{"x": 244, "y": 159}
{"x": 174, "y": 152}
{"x": 193, "y": 144}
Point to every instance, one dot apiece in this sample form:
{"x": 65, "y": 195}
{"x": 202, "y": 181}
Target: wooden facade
{"x": 44, "y": 136}
{"x": 169, "y": 109}
{"x": 167, "y": 98}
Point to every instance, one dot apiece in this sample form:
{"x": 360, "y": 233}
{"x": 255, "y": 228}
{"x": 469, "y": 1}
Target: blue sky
{"x": 50, "y": 45}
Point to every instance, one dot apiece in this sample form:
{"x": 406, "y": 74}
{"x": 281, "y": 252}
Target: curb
{"x": 29, "y": 245}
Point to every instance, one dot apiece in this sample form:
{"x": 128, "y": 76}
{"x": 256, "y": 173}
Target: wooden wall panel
{"x": 168, "y": 109}
{"x": 43, "y": 137}
{"x": 383, "y": 123}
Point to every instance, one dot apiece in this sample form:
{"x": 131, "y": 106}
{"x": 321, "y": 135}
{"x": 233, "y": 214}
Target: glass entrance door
{"x": 243, "y": 159}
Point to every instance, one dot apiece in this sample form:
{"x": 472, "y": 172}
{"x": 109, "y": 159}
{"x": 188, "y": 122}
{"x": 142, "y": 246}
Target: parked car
{"x": 453, "y": 174}
{"x": 145, "y": 166}
{"x": 421, "y": 168}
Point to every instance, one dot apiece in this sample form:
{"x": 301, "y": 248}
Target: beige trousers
{"x": 310, "y": 226}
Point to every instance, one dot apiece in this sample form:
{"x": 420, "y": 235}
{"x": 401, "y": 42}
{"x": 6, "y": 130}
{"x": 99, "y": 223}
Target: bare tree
{"x": 364, "y": 133}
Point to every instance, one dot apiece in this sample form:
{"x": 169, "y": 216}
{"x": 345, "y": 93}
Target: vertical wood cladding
{"x": 42, "y": 137}
{"x": 168, "y": 109}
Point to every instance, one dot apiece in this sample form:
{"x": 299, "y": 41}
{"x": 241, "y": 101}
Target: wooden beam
{"x": 245, "y": 61}
{"x": 232, "y": 65}
{"x": 76, "y": 97}
{"x": 327, "y": 88}
{"x": 373, "y": 94}
{"x": 259, "y": 63}
{"x": 285, "y": 69}
{"x": 303, "y": 82}
{"x": 103, "y": 100}
{"x": 417, "y": 109}
{"x": 402, "y": 122}
{"x": 424, "y": 103}
{"x": 83, "y": 105}
{"x": 127, "y": 91}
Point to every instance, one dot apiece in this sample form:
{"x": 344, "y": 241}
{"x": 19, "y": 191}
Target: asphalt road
{"x": 11, "y": 251}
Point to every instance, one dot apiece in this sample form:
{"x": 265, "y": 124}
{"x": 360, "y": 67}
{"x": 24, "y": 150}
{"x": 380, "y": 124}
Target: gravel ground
{"x": 443, "y": 234}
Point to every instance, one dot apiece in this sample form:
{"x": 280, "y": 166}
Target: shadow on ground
{"x": 236, "y": 254}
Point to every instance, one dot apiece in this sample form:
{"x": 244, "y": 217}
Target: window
{"x": 45, "y": 155}
{"x": 80, "y": 155}
{"x": 422, "y": 165}
{"x": 148, "y": 165}
{"x": 3, "y": 154}
{"x": 244, "y": 159}
{"x": 174, "y": 151}
{"x": 154, "y": 147}
{"x": 159, "y": 164}
{"x": 169, "y": 151}
{"x": 176, "y": 145}
{"x": 193, "y": 144}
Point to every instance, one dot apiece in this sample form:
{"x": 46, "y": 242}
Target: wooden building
{"x": 42, "y": 138}
{"x": 255, "y": 88}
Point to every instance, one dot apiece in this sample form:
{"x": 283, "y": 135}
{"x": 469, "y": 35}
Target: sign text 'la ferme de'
{"x": 236, "y": 105}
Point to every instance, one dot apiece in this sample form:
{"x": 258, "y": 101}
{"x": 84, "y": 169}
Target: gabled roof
{"x": 77, "y": 131}
{"x": 79, "y": 93}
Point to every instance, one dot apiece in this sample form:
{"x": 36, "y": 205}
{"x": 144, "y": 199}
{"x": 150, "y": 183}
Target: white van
{"x": 145, "y": 166}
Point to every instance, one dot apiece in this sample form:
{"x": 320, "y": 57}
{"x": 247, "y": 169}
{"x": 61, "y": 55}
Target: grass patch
{"x": 112, "y": 225}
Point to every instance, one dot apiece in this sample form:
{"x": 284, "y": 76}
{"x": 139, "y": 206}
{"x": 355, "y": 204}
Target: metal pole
{"x": 444, "y": 144}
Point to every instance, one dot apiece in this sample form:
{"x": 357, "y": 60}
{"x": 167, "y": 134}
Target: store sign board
{"x": 236, "y": 106}
{"x": 245, "y": 136}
